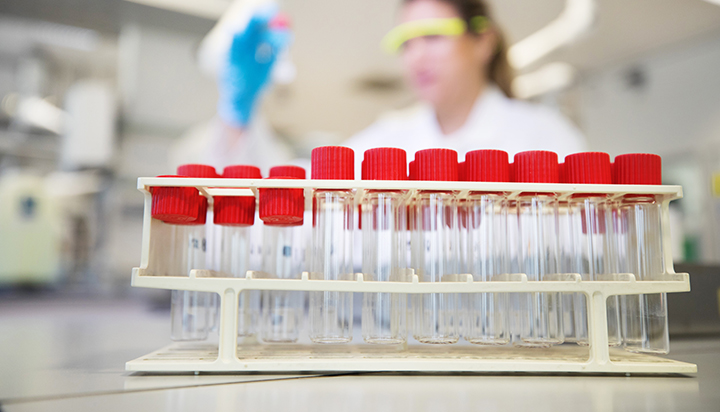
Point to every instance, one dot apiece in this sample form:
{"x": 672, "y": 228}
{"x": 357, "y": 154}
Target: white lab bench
{"x": 60, "y": 354}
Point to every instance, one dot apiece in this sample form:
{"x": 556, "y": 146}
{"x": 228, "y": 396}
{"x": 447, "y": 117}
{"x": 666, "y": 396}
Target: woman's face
{"x": 439, "y": 67}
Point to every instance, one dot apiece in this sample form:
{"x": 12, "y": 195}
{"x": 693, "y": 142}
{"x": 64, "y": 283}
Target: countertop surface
{"x": 70, "y": 355}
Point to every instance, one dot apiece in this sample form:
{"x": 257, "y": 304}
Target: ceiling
{"x": 345, "y": 81}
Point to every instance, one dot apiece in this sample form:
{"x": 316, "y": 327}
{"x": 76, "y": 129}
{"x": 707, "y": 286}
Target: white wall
{"x": 671, "y": 113}
{"x": 676, "y": 114}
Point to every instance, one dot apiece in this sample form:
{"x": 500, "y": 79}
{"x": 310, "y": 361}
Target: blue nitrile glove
{"x": 250, "y": 61}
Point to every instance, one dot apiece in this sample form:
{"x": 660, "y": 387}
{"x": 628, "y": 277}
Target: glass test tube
{"x": 591, "y": 238}
{"x": 283, "y": 258}
{"x": 190, "y": 310}
{"x": 331, "y": 314}
{"x": 592, "y": 232}
{"x": 539, "y": 313}
{"x": 435, "y": 249}
{"x": 235, "y": 218}
{"x": 645, "y": 327}
{"x": 486, "y": 318}
{"x": 282, "y": 212}
{"x": 384, "y": 233}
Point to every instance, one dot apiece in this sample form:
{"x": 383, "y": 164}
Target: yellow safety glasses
{"x": 455, "y": 26}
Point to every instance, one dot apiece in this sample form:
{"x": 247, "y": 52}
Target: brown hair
{"x": 499, "y": 71}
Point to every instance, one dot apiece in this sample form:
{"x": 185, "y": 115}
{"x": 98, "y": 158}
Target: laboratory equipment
{"x": 232, "y": 355}
{"x": 384, "y": 237}
{"x": 644, "y": 316}
{"x": 282, "y": 211}
{"x": 590, "y": 229}
{"x": 234, "y": 217}
{"x": 192, "y": 311}
{"x": 486, "y": 315}
{"x": 435, "y": 249}
{"x": 538, "y": 315}
{"x": 331, "y": 314}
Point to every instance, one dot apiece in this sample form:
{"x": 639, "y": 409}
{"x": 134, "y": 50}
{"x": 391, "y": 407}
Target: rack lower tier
{"x": 568, "y": 358}
{"x": 228, "y": 355}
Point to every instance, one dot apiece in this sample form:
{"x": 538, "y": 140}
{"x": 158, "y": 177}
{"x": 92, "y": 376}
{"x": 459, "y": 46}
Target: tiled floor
{"x": 70, "y": 356}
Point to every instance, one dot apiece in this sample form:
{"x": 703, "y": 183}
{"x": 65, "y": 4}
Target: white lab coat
{"x": 495, "y": 122}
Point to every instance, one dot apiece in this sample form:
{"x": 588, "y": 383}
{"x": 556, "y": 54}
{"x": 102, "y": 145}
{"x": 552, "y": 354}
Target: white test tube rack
{"x": 228, "y": 355}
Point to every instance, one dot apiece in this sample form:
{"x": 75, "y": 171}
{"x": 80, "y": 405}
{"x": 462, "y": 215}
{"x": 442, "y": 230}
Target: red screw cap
{"x": 462, "y": 172}
{"x": 638, "y": 169}
{"x": 412, "y": 167}
{"x": 282, "y": 207}
{"x": 333, "y": 162}
{"x": 236, "y": 210}
{"x": 241, "y": 172}
{"x": 561, "y": 173}
{"x": 202, "y": 171}
{"x": 197, "y": 170}
{"x": 202, "y": 212}
{"x": 385, "y": 163}
{"x": 537, "y": 166}
{"x": 588, "y": 168}
{"x": 437, "y": 165}
{"x": 296, "y": 172}
{"x": 487, "y": 166}
{"x": 174, "y": 205}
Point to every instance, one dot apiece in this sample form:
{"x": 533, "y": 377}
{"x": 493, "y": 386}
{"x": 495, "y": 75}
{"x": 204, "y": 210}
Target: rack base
{"x": 190, "y": 358}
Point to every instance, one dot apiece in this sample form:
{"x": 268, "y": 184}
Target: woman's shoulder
{"x": 541, "y": 127}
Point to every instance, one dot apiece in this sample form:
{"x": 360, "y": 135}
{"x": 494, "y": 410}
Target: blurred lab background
{"x": 94, "y": 93}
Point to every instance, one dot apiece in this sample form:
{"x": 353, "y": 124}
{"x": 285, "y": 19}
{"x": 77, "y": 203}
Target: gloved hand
{"x": 250, "y": 61}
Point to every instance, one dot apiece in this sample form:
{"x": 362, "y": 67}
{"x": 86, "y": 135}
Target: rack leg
{"x": 227, "y": 345}
{"x": 597, "y": 325}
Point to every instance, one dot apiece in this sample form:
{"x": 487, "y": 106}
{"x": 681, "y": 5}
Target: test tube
{"x": 384, "y": 247}
{"x": 566, "y": 250}
{"x": 193, "y": 312}
{"x": 645, "y": 327}
{"x": 171, "y": 207}
{"x": 539, "y": 314}
{"x": 435, "y": 248}
{"x": 486, "y": 317}
{"x": 235, "y": 217}
{"x": 590, "y": 239}
{"x": 282, "y": 211}
{"x": 331, "y": 315}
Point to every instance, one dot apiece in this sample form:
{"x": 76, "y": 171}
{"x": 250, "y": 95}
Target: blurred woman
{"x": 455, "y": 59}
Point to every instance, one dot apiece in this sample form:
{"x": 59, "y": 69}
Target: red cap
{"x": 202, "y": 212}
{"x": 487, "y": 166}
{"x": 296, "y": 172}
{"x": 174, "y": 205}
{"x": 242, "y": 172}
{"x": 511, "y": 170}
{"x": 561, "y": 173}
{"x": 412, "y": 168}
{"x": 588, "y": 168}
{"x": 536, "y": 166}
{"x": 282, "y": 207}
{"x": 462, "y": 173}
{"x": 385, "y": 163}
{"x": 638, "y": 169}
{"x": 437, "y": 164}
{"x": 236, "y": 210}
{"x": 197, "y": 170}
{"x": 333, "y": 162}
{"x": 363, "y": 170}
